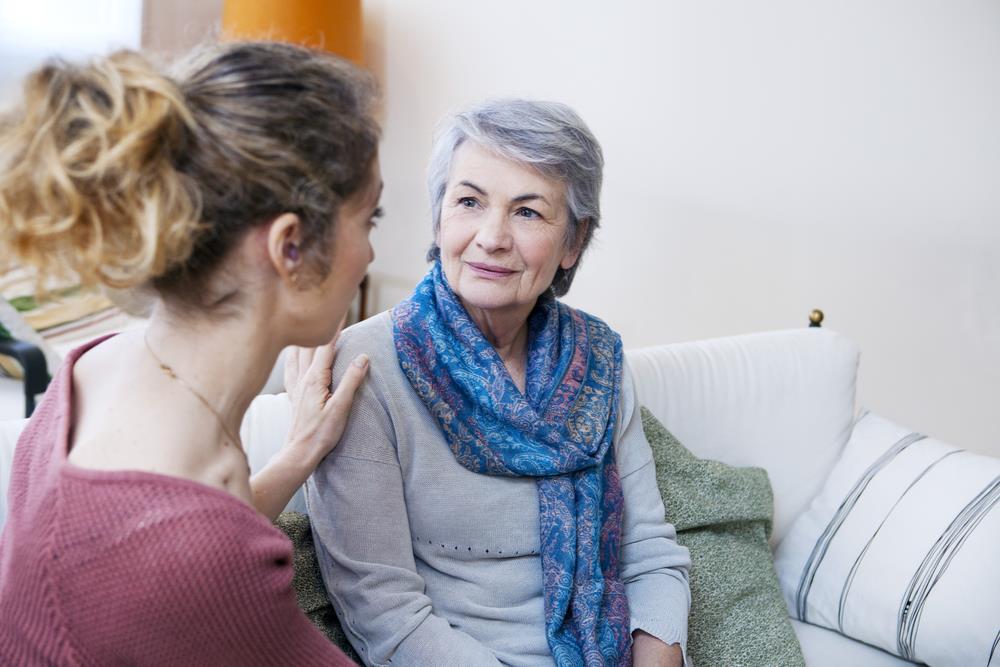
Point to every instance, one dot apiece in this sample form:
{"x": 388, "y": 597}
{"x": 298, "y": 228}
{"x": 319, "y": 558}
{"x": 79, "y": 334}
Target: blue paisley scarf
{"x": 559, "y": 431}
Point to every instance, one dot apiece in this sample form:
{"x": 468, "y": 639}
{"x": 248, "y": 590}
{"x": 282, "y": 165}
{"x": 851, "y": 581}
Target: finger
{"x": 306, "y": 357}
{"x": 343, "y": 395}
{"x": 291, "y": 355}
{"x": 323, "y": 359}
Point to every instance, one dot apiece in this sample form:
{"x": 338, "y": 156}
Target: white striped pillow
{"x": 901, "y": 548}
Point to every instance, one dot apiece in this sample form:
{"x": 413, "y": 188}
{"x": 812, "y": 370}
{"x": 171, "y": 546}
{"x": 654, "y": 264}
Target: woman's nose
{"x": 494, "y": 233}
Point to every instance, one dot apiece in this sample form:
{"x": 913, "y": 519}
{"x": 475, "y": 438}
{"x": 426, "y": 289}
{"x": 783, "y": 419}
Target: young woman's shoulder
{"x": 153, "y": 425}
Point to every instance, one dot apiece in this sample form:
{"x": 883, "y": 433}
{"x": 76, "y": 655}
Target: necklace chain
{"x": 172, "y": 374}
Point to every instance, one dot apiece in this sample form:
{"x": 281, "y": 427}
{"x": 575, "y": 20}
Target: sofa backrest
{"x": 782, "y": 401}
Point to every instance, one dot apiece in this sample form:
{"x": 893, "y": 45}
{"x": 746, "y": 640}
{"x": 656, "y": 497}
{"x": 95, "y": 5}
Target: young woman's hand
{"x": 319, "y": 415}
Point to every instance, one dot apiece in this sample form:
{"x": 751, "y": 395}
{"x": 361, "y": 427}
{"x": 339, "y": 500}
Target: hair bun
{"x": 89, "y": 185}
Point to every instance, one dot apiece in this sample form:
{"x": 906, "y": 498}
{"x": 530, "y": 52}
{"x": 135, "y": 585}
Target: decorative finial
{"x": 816, "y": 318}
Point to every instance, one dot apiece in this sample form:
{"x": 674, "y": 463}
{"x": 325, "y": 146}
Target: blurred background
{"x": 763, "y": 159}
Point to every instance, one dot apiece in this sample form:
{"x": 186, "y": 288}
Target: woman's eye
{"x": 526, "y": 212}
{"x": 467, "y": 202}
{"x": 376, "y": 216}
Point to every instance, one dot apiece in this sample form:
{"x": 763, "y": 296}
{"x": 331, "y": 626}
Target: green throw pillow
{"x": 723, "y": 515}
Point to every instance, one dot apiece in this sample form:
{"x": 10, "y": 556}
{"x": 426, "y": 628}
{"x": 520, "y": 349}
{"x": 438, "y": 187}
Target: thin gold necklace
{"x": 173, "y": 375}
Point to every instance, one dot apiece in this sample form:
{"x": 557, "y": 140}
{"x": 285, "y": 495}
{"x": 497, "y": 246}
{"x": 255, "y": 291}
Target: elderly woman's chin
{"x": 504, "y": 283}
{"x": 509, "y": 292}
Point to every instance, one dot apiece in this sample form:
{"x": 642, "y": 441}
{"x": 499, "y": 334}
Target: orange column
{"x": 334, "y": 25}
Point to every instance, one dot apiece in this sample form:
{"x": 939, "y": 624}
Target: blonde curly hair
{"x": 116, "y": 173}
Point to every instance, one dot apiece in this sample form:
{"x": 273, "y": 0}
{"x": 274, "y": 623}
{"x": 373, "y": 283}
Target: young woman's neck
{"x": 226, "y": 360}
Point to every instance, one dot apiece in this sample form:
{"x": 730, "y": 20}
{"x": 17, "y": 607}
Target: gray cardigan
{"x": 428, "y": 563}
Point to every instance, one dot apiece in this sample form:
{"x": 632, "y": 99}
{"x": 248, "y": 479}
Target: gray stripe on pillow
{"x": 823, "y": 543}
{"x": 936, "y": 563}
{"x": 857, "y": 563}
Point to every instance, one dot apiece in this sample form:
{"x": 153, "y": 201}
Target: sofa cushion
{"x": 826, "y": 648}
{"x": 722, "y": 515}
{"x": 781, "y": 400}
{"x": 899, "y": 549}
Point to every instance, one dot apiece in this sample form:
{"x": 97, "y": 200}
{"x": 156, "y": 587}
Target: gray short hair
{"x": 548, "y": 136}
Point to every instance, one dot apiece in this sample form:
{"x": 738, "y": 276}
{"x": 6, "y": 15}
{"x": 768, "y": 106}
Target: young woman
{"x": 242, "y": 192}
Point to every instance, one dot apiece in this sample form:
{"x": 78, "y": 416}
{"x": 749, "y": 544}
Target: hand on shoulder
{"x": 319, "y": 416}
{"x": 319, "y": 410}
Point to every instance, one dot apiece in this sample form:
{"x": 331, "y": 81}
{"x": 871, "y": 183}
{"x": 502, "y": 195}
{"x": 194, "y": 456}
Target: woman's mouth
{"x": 490, "y": 270}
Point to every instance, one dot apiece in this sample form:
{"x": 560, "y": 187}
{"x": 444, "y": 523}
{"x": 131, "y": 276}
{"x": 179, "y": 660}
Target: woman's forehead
{"x": 491, "y": 172}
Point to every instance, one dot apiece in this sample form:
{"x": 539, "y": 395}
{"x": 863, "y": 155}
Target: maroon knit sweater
{"x": 128, "y": 567}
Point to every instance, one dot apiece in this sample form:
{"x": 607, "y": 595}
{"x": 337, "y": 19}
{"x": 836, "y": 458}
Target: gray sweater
{"x": 428, "y": 563}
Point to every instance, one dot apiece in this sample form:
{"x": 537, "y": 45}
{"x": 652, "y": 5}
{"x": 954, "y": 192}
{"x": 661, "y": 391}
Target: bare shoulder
{"x": 127, "y": 417}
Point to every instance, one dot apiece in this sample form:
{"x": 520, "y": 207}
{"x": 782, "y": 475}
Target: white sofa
{"x": 783, "y": 401}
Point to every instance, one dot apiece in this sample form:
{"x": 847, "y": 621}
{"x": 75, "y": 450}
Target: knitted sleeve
{"x": 209, "y": 584}
{"x": 654, "y": 566}
{"x": 248, "y": 614}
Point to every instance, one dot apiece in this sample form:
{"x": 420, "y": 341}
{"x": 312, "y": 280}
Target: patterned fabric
{"x": 560, "y": 430}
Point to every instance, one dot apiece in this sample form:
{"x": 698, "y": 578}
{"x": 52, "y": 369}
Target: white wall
{"x": 763, "y": 159}
{"x": 31, "y": 32}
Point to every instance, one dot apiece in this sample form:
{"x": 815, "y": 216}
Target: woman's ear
{"x": 573, "y": 253}
{"x": 284, "y": 247}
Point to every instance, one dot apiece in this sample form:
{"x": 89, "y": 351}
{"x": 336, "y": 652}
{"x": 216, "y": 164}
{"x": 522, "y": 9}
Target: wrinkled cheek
{"x": 454, "y": 236}
{"x": 452, "y": 270}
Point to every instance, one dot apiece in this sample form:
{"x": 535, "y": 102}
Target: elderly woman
{"x": 493, "y": 499}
